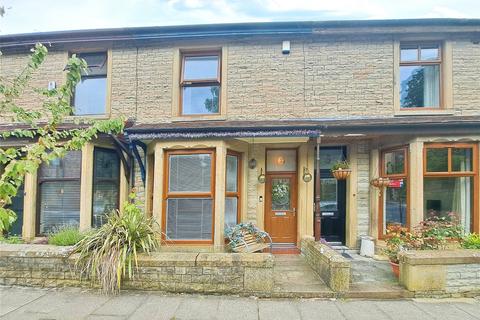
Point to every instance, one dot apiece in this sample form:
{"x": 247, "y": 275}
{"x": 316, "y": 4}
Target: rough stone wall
{"x": 363, "y": 188}
{"x": 462, "y": 278}
{"x": 50, "y": 266}
{"x": 327, "y": 263}
{"x": 466, "y": 77}
{"x": 320, "y": 78}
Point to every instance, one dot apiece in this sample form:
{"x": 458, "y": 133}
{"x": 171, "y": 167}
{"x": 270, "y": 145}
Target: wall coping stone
{"x": 34, "y": 250}
{"x": 440, "y": 257}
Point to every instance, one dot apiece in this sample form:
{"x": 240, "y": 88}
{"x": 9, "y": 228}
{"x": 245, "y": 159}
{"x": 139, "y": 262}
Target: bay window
{"x": 450, "y": 181}
{"x": 232, "y": 189}
{"x": 394, "y": 199}
{"x": 106, "y": 184}
{"x": 189, "y": 196}
{"x": 59, "y": 193}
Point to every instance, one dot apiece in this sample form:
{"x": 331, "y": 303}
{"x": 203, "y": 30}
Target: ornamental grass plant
{"x": 110, "y": 253}
{"x": 67, "y": 235}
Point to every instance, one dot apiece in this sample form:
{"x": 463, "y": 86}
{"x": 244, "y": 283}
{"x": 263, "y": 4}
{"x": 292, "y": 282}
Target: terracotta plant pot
{"x": 341, "y": 174}
{"x": 380, "y": 182}
{"x": 395, "y": 269}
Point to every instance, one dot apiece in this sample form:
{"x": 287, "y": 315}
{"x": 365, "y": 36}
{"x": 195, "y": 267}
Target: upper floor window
{"x": 90, "y": 97}
{"x": 200, "y": 83}
{"x": 420, "y": 83}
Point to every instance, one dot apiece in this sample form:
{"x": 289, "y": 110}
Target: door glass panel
{"x": 328, "y": 157}
{"x": 394, "y": 162}
{"x": 281, "y": 160}
{"x": 281, "y": 194}
{"x": 328, "y": 195}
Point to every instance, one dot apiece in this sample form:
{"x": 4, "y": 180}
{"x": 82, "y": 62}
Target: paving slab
{"x": 319, "y": 309}
{"x": 448, "y": 309}
{"x": 401, "y": 310}
{"x": 157, "y": 307}
{"x": 15, "y": 298}
{"x": 238, "y": 309}
{"x": 122, "y": 305}
{"x": 278, "y": 310}
{"x": 359, "y": 310}
{"x": 198, "y": 308}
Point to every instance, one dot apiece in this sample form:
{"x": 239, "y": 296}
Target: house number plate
{"x": 280, "y": 213}
{"x": 328, "y": 214}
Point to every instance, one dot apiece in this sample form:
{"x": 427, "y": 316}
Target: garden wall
{"x": 51, "y": 266}
{"x": 327, "y": 263}
{"x": 441, "y": 272}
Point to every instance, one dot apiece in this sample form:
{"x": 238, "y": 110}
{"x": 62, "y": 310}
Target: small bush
{"x": 65, "y": 236}
{"x": 471, "y": 241}
{"x": 11, "y": 240}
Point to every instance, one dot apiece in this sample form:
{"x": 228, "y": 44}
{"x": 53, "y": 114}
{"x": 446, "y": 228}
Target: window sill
{"x": 430, "y": 112}
{"x": 217, "y": 117}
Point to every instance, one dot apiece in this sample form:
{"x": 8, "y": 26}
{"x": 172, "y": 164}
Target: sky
{"x": 24, "y": 16}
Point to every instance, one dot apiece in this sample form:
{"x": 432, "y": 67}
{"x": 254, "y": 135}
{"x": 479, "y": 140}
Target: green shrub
{"x": 471, "y": 241}
{"x": 65, "y": 236}
{"x": 109, "y": 254}
{"x": 11, "y": 240}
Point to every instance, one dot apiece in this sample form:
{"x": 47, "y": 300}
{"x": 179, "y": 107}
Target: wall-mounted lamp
{"x": 307, "y": 176}
{"x": 261, "y": 177}
{"x": 252, "y": 163}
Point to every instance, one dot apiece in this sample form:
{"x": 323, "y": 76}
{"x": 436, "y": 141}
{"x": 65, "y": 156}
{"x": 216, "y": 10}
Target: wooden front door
{"x": 281, "y": 206}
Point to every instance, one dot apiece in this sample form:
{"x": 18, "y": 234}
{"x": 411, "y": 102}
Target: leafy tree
{"x": 414, "y": 95}
{"x": 211, "y": 104}
{"x": 42, "y": 126}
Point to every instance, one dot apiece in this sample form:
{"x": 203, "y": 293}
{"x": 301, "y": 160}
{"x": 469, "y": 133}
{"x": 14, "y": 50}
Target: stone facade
{"x": 50, "y": 266}
{"x": 343, "y": 77}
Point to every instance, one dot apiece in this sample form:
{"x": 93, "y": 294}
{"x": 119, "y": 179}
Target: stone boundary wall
{"x": 51, "y": 266}
{"x": 327, "y": 263}
{"x": 444, "y": 272}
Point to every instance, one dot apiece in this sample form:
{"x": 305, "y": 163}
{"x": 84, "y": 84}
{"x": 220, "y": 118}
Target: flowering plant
{"x": 236, "y": 233}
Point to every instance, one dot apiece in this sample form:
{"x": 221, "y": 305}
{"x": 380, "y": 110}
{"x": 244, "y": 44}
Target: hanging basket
{"x": 380, "y": 183}
{"x": 341, "y": 174}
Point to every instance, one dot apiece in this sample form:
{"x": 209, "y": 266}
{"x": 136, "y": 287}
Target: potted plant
{"x": 341, "y": 170}
{"x": 396, "y": 241}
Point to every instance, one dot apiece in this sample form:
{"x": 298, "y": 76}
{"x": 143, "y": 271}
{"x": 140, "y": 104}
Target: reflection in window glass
{"x": 200, "y": 67}
{"x": 328, "y": 194}
{"x": 447, "y": 196}
{"x": 200, "y": 100}
{"x": 394, "y": 162}
{"x": 462, "y": 159}
{"x": 429, "y": 53}
{"x": 231, "y": 209}
{"x": 437, "y": 160}
{"x": 330, "y": 156}
{"x": 232, "y": 174}
{"x": 90, "y": 96}
{"x": 409, "y": 54}
{"x": 106, "y": 183}
{"x": 420, "y": 86}
{"x": 395, "y": 203}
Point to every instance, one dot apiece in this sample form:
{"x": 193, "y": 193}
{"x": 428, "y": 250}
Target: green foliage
{"x": 471, "y": 241}
{"x": 65, "y": 236}
{"x": 109, "y": 254}
{"x": 235, "y": 234}
{"x": 41, "y": 127}
{"x": 340, "y": 165}
{"x": 11, "y": 240}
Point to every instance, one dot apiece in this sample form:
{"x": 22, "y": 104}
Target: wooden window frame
{"x": 420, "y": 62}
{"x": 449, "y": 174}
{"x": 175, "y": 195}
{"x": 105, "y": 179}
{"x": 238, "y": 193}
{"x": 107, "y": 79}
{"x": 200, "y": 82}
{"x": 404, "y": 175}
{"x": 39, "y": 194}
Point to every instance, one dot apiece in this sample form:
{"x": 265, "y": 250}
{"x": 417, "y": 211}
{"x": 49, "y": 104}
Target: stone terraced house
{"x": 227, "y": 121}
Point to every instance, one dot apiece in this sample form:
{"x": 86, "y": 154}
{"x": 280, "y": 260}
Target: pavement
{"x": 75, "y": 303}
